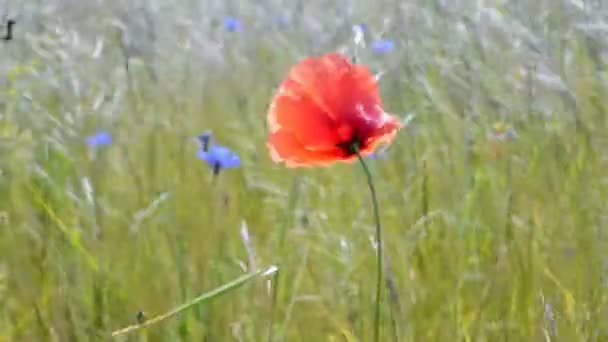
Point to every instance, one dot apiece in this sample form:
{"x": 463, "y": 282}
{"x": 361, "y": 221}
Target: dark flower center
{"x": 350, "y": 147}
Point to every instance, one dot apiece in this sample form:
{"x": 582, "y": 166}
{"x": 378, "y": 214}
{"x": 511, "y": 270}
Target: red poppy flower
{"x": 325, "y": 106}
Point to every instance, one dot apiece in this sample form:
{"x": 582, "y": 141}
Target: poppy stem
{"x": 379, "y": 253}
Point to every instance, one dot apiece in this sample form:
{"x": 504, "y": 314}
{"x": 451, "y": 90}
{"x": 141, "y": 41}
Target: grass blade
{"x": 218, "y": 291}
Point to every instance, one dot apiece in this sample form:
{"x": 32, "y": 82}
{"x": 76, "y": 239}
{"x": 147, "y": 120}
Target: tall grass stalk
{"x": 203, "y": 298}
{"x": 294, "y": 194}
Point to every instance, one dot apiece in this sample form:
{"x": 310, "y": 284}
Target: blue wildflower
{"x": 359, "y": 35}
{"x": 232, "y": 24}
{"x": 362, "y": 27}
{"x": 282, "y": 21}
{"x": 100, "y": 138}
{"x": 383, "y": 46}
{"x": 216, "y": 156}
{"x": 219, "y": 157}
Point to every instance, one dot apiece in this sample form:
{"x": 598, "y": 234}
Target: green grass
{"x": 486, "y": 239}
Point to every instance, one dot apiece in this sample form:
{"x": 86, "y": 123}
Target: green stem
{"x": 198, "y": 300}
{"x": 292, "y": 201}
{"x": 379, "y": 252}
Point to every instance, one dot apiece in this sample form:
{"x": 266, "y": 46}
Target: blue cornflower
{"x": 232, "y": 24}
{"x": 100, "y": 138}
{"x": 383, "y": 46}
{"x": 362, "y": 27}
{"x": 216, "y": 156}
{"x": 219, "y": 157}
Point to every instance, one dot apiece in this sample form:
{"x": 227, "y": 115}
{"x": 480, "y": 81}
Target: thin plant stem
{"x": 379, "y": 252}
{"x": 293, "y": 198}
{"x": 218, "y": 291}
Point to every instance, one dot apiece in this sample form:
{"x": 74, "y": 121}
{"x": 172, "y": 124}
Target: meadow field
{"x": 493, "y": 197}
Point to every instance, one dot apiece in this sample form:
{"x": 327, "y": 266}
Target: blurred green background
{"x": 493, "y": 199}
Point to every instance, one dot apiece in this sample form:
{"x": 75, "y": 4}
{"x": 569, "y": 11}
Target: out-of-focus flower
{"x": 383, "y": 46}
{"x": 359, "y": 34}
{"x": 502, "y": 132}
{"x": 216, "y": 156}
{"x": 499, "y": 137}
{"x": 100, "y": 138}
{"x": 325, "y": 110}
{"x": 219, "y": 157}
{"x": 281, "y": 21}
{"x": 232, "y": 24}
{"x": 362, "y": 27}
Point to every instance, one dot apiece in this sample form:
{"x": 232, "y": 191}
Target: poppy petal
{"x": 284, "y": 147}
{"x": 319, "y": 77}
{"x": 357, "y": 89}
{"x": 345, "y": 92}
{"x": 294, "y": 111}
{"x": 383, "y": 134}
